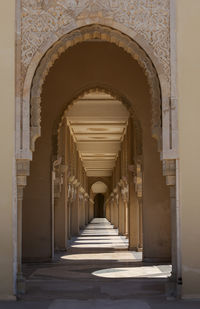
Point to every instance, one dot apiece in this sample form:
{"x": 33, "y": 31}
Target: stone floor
{"x": 97, "y": 272}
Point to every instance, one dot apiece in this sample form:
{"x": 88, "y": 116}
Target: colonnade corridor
{"x": 96, "y": 220}
{"x": 95, "y": 272}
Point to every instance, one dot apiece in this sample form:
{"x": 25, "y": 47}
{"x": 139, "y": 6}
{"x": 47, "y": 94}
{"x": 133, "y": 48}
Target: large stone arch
{"x": 45, "y": 58}
{"x": 152, "y": 54}
{"x": 55, "y": 112}
{"x": 115, "y": 93}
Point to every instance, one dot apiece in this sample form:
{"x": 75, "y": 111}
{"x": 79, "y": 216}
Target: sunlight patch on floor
{"x": 116, "y": 256}
{"x": 162, "y": 271}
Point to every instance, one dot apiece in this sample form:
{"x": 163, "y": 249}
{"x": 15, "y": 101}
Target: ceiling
{"x": 98, "y": 123}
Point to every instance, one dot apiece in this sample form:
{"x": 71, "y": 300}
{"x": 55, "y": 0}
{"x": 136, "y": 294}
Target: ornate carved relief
{"x": 44, "y": 21}
{"x": 138, "y": 179}
{"x": 22, "y": 171}
{"x": 41, "y": 18}
{"x": 107, "y": 34}
{"x": 169, "y": 170}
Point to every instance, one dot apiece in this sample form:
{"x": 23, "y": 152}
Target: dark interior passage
{"x": 99, "y": 206}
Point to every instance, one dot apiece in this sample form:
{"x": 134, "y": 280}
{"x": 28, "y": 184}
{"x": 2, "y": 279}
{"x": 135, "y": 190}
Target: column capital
{"x": 22, "y": 171}
{"x": 169, "y": 171}
{"x": 132, "y": 169}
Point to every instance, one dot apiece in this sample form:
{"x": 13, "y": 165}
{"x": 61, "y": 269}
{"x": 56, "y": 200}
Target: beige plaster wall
{"x": 7, "y": 131}
{"x": 188, "y": 64}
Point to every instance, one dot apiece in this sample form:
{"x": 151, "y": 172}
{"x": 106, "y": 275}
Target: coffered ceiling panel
{"x": 98, "y": 123}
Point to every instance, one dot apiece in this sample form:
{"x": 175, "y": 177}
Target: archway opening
{"x": 99, "y": 211}
{"x": 83, "y": 141}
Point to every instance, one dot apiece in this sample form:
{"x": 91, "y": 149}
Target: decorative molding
{"x": 93, "y": 32}
{"x": 169, "y": 170}
{"x": 40, "y": 19}
{"x": 48, "y": 27}
{"x": 22, "y": 171}
{"x": 138, "y": 179}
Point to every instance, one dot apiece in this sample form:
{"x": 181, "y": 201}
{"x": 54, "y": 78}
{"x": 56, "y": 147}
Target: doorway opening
{"x": 99, "y": 211}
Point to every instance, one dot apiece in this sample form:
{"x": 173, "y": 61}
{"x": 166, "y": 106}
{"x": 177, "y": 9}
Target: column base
{"x": 7, "y": 297}
{"x": 126, "y": 235}
{"x": 21, "y": 285}
{"x": 156, "y": 260}
{"x": 173, "y": 289}
{"x": 135, "y": 248}
{"x": 132, "y": 248}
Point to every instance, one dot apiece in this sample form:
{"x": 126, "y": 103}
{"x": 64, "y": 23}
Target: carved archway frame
{"x": 162, "y": 86}
{"x": 45, "y": 57}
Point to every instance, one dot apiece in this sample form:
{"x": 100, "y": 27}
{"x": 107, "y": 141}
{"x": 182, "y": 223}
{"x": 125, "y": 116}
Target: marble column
{"x": 169, "y": 170}
{"x": 121, "y": 214}
{"x": 21, "y": 285}
{"x": 140, "y": 247}
{"x": 173, "y": 230}
{"x": 133, "y": 218}
{"x": 116, "y": 210}
{"x": 23, "y": 169}
{"x": 86, "y": 209}
{"x": 75, "y": 213}
{"x": 126, "y": 218}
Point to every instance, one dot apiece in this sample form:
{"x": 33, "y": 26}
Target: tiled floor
{"x": 97, "y": 272}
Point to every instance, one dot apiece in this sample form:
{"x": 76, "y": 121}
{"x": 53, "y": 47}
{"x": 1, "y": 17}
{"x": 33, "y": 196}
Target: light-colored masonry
{"x": 44, "y": 25}
{"x": 46, "y": 28}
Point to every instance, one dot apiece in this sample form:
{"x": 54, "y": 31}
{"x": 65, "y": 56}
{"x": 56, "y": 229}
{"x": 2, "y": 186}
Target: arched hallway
{"x": 97, "y": 156}
{"x": 97, "y": 266}
{"x": 99, "y": 117}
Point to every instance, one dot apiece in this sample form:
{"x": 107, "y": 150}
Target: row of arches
{"x": 58, "y": 199}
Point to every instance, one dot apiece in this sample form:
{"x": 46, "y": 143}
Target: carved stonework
{"x": 48, "y": 27}
{"x": 136, "y": 171}
{"x": 125, "y": 193}
{"x": 58, "y": 171}
{"x": 138, "y": 180}
{"x": 169, "y": 170}
{"x": 22, "y": 171}
{"x": 90, "y": 33}
{"x": 44, "y": 21}
{"x": 41, "y": 18}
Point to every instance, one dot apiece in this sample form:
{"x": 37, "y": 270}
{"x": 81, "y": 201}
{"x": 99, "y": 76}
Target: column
{"x": 169, "y": 170}
{"x": 75, "y": 212}
{"x": 116, "y": 210}
{"x": 121, "y": 213}
{"x": 69, "y": 206}
{"x": 140, "y": 248}
{"x": 112, "y": 212}
{"x": 133, "y": 217}
{"x": 91, "y": 209}
{"x": 23, "y": 169}
{"x": 21, "y": 285}
{"x": 125, "y": 193}
{"x": 126, "y": 218}
{"x": 60, "y": 207}
{"x": 86, "y": 209}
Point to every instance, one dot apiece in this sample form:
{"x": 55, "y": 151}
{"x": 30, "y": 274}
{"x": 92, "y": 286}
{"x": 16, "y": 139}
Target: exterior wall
{"x": 188, "y": 64}
{"x": 7, "y": 131}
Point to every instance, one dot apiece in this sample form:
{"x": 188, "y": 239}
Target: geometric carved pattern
{"x": 91, "y": 33}
{"x": 149, "y": 18}
{"x": 44, "y": 23}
